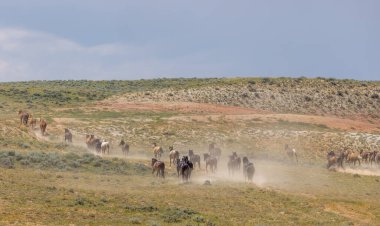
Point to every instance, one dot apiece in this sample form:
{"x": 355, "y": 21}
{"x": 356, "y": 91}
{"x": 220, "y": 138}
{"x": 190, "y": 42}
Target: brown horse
{"x": 333, "y": 159}
{"x": 124, "y": 147}
{"x": 354, "y": 157}
{"x": 32, "y": 122}
{"x": 89, "y": 139}
{"x": 210, "y": 161}
{"x": 93, "y": 143}
{"x": 24, "y": 116}
{"x": 159, "y": 167}
{"x": 43, "y": 125}
{"x": 364, "y": 155}
{"x": 173, "y": 156}
{"x": 372, "y": 156}
{"x": 157, "y": 151}
{"x": 68, "y": 136}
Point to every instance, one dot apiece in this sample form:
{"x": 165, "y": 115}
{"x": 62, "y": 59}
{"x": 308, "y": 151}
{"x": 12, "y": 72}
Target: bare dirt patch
{"x": 178, "y": 107}
{"x": 202, "y": 111}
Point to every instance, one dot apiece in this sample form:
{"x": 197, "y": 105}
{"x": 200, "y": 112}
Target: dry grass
{"x": 61, "y": 187}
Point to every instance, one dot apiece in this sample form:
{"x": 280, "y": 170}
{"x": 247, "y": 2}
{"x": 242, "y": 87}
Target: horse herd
{"x": 188, "y": 163}
{"x": 28, "y": 120}
{"x": 336, "y": 160}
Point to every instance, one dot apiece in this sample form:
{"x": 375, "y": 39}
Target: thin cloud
{"x": 27, "y": 54}
{"x": 33, "y": 55}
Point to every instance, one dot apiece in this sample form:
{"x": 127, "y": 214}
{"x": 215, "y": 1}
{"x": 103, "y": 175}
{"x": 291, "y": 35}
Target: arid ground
{"x": 46, "y": 181}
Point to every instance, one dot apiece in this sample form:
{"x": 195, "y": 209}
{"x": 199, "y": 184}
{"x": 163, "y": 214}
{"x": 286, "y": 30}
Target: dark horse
{"x": 24, "y": 117}
{"x": 333, "y": 159}
{"x": 248, "y": 169}
{"x": 159, "y": 167}
{"x": 210, "y": 161}
{"x": 184, "y": 168}
{"x": 98, "y": 145}
{"x": 233, "y": 163}
{"x": 68, "y": 136}
{"x": 124, "y": 147}
{"x": 195, "y": 158}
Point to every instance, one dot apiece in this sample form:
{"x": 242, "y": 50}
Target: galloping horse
{"x": 159, "y": 167}
{"x": 90, "y": 141}
{"x": 68, "y": 136}
{"x": 184, "y": 167}
{"x": 105, "y": 146}
{"x": 32, "y": 122}
{"x": 43, "y": 126}
{"x": 24, "y": 116}
{"x": 354, "y": 157}
{"x": 124, "y": 147}
{"x": 248, "y": 169}
{"x": 195, "y": 158}
{"x": 157, "y": 151}
{"x": 173, "y": 156}
{"x": 210, "y": 161}
{"x": 333, "y": 159}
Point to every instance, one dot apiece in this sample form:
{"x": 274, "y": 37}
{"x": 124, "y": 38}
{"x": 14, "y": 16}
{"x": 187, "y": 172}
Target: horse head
{"x": 122, "y": 142}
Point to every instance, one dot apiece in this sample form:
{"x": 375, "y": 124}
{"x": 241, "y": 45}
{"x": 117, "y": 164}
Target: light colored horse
{"x": 68, "y": 136}
{"x": 354, "y": 157}
{"x": 105, "y": 146}
{"x": 157, "y": 151}
{"x": 173, "y": 156}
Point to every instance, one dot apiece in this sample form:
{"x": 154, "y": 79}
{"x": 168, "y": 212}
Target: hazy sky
{"x": 120, "y": 39}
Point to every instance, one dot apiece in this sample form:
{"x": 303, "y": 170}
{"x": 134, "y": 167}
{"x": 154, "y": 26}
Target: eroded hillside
{"x": 344, "y": 98}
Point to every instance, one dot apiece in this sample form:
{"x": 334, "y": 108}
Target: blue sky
{"x": 120, "y": 39}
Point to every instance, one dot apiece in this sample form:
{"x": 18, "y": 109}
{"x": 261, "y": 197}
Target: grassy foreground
{"x": 51, "y": 190}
